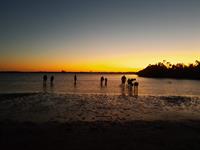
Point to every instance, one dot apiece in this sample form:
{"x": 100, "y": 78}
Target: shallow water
{"x": 90, "y": 84}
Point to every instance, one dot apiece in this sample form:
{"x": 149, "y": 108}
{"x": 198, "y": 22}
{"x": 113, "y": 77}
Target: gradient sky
{"x": 97, "y": 35}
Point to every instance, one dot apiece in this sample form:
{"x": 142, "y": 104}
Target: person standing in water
{"x": 130, "y": 86}
{"x": 51, "y": 80}
{"x": 101, "y": 80}
{"x": 123, "y": 79}
{"x": 75, "y": 79}
{"x": 106, "y": 80}
{"x": 44, "y": 79}
{"x": 45, "y": 83}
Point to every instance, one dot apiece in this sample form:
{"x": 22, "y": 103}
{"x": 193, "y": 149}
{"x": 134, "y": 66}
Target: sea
{"x": 90, "y": 84}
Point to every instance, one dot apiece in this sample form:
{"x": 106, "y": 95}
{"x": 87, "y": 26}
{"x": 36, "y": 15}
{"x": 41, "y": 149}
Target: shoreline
{"x": 22, "y": 94}
{"x": 44, "y": 107}
{"x": 71, "y": 121}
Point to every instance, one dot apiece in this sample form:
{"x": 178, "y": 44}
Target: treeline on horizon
{"x": 167, "y": 70}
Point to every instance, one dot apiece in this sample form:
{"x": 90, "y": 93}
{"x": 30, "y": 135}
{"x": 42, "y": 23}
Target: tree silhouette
{"x": 167, "y": 70}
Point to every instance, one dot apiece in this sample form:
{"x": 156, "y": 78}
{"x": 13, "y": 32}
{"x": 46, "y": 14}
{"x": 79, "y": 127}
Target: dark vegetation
{"x": 167, "y": 70}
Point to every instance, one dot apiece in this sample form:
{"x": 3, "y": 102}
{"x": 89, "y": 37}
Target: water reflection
{"x": 74, "y": 84}
{"x": 52, "y": 87}
{"x": 130, "y": 91}
{"x": 136, "y": 89}
{"x": 44, "y": 87}
{"x": 123, "y": 92}
{"x": 75, "y": 87}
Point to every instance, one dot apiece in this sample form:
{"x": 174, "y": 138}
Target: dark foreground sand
{"x": 101, "y": 135}
{"x": 52, "y": 121}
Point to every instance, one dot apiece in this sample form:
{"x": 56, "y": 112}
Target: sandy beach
{"x": 44, "y": 107}
{"x": 98, "y": 121}
{"x": 101, "y": 135}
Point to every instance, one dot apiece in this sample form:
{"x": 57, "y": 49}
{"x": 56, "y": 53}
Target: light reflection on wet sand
{"x": 43, "y": 107}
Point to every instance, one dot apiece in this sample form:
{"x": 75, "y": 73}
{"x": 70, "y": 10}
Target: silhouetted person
{"x": 45, "y": 83}
{"x": 51, "y": 80}
{"x": 130, "y": 86}
{"x": 136, "y": 84}
{"x": 130, "y": 82}
{"x": 75, "y": 79}
{"x": 106, "y": 81}
{"x": 45, "y": 79}
{"x": 123, "y": 79}
{"x": 101, "y": 80}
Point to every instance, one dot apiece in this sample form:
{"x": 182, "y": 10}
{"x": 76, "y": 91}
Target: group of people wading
{"x": 105, "y": 80}
{"x": 52, "y": 80}
{"x": 45, "y": 80}
{"x": 131, "y": 82}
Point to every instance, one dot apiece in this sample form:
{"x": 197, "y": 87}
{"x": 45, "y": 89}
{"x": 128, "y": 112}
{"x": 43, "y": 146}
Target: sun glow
{"x": 116, "y": 63}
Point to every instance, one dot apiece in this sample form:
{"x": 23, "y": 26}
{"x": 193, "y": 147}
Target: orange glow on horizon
{"x": 109, "y": 63}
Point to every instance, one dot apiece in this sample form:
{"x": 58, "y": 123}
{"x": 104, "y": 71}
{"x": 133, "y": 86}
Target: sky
{"x": 97, "y": 35}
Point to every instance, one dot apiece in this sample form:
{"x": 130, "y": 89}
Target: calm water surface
{"x": 90, "y": 83}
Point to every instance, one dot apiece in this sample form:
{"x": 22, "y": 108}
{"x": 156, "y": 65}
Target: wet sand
{"x": 55, "y": 121}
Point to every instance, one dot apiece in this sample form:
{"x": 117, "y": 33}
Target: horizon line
{"x": 131, "y": 72}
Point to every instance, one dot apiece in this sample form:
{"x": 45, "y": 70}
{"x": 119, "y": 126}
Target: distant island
{"x": 167, "y": 70}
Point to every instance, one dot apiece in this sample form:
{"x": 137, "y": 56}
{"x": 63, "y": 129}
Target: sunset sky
{"x": 97, "y": 35}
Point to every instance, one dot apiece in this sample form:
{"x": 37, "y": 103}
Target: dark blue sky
{"x": 78, "y": 28}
